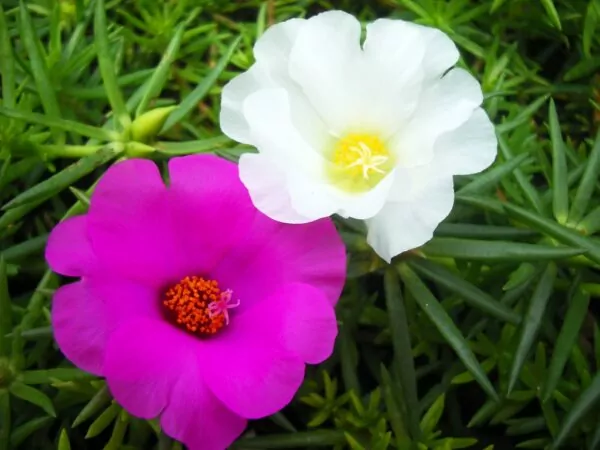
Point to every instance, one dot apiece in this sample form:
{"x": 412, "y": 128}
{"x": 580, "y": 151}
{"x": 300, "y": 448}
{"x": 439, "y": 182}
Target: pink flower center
{"x": 198, "y": 305}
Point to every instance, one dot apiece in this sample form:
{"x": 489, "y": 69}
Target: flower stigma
{"x": 198, "y": 306}
{"x": 359, "y": 162}
{"x": 222, "y": 305}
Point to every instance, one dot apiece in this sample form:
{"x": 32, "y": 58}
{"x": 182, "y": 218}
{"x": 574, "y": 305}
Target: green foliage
{"x": 492, "y": 325}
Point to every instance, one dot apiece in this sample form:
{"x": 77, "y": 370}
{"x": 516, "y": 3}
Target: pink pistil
{"x": 222, "y": 305}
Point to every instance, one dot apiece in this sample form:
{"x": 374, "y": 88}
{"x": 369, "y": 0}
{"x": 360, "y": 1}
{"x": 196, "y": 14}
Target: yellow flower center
{"x": 359, "y": 162}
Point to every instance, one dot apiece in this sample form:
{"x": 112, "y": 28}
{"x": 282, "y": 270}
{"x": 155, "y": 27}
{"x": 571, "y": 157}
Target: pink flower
{"x": 194, "y": 306}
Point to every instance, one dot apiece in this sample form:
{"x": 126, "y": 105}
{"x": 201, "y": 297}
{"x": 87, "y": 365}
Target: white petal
{"x": 441, "y": 52}
{"x": 274, "y": 46}
{"x": 273, "y": 50}
{"x": 365, "y": 205}
{"x": 323, "y": 60}
{"x": 395, "y": 43}
{"x": 303, "y": 168}
{"x": 321, "y": 199}
{"x": 469, "y": 148}
{"x": 392, "y": 60}
{"x": 374, "y": 90}
{"x": 267, "y": 186}
{"x": 393, "y": 38}
{"x": 450, "y": 101}
{"x": 274, "y": 132}
{"x": 311, "y": 198}
{"x": 421, "y": 199}
{"x": 270, "y": 71}
{"x": 231, "y": 118}
{"x": 445, "y": 104}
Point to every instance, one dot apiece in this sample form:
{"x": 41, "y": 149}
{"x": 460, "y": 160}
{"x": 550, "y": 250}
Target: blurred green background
{"x": 486, "y": 338}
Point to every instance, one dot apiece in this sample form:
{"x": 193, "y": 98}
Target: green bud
{"x": 148, "y": 125}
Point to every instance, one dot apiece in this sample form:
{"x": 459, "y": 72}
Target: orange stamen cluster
{"x": 186, "y": 304}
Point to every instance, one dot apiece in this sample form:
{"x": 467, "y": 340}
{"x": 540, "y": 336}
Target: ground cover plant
{"x": 486, "y": 337}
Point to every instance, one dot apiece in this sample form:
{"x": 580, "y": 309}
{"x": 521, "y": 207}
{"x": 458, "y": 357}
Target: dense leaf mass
{"x": 486, "y": 337}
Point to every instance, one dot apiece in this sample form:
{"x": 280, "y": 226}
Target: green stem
{"x": 69, "y": 151}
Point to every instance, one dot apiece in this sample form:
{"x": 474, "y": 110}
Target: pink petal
{"x": 196, "y": 417}
{"x": 69, "y": 251}
{"x": 84, "y": 314}
{"x": 298, "y": 317}
{"x": 273, "y": 254}
{"x": 251, "y": 374}
{"x": 130, "y": 224}
{"x": 211, "y": 207}
{"x": 80, "y": 326}
{"x": 144, "y": 359}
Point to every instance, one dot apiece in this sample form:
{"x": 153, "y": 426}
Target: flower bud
{"x": 148, "y": 125}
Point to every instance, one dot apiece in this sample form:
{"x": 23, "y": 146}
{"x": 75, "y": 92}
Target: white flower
{"x": 373, "y": 131}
